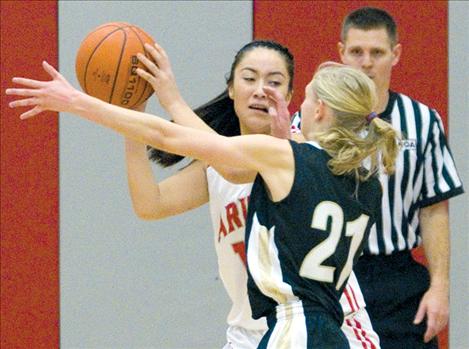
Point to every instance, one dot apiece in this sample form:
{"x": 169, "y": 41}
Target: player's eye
{"x": 377, "y": 53}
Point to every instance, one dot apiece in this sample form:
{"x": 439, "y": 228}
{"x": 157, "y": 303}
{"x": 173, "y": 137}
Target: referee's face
{"x": 371, "y": 51}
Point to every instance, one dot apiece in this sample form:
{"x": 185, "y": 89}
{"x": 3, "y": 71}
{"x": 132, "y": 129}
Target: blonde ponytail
{"x": 356, "y": 133}
{"x": 385, "y": 138}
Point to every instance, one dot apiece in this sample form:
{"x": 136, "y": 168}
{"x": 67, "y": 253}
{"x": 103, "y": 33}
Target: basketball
{"x": 106, "y": 64}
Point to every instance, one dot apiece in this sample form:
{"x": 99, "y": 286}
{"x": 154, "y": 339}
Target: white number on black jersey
{"x": 312, "y": 267}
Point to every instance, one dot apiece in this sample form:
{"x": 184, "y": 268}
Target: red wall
{"x": 29, "y": 182}
{"x": 311, "y": 30}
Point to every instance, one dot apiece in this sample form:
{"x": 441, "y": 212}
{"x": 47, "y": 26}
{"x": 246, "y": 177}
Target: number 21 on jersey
{"x": 312, "y": 267}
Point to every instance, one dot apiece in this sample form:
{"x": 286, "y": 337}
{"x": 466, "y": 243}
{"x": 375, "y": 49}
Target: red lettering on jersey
{"x": 232, "y": 220}
{"x": 232, "y": 215}
{"x": 244, "y": 206}
{"x": 240, "y": 250}
{"x": 221, "y": 230}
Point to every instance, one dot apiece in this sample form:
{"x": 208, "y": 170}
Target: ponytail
{"x": 384, "y": 137}
{"x": 356, "y": 133}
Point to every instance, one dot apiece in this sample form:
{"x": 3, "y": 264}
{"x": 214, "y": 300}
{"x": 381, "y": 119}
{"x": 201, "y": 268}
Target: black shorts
{"x": 393, "y": 287}
{"x": 293, "y": 328}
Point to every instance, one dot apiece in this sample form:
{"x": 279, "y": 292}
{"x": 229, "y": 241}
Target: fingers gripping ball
{"x": 106, "y": 64}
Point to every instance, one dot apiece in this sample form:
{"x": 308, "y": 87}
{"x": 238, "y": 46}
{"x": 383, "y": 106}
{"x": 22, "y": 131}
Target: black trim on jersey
{"x": 420, "y": 151}
{"x": 379, "y": 237}
{"x": 413, "y": 209}
{"x": 442, "y": 142}
{"x": 386, "y": 115}
{"x": 442, "y": 197}
{"x": 442, "y": 146}
{"x": 429, "y": 135}
{"x": 446, "y": 176}
{"x": 434, "y": 149}
{"x": 393, "y": 181}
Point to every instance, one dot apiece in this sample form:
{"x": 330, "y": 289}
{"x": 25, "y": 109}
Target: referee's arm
{"x": 434, "y": 225}
{"x": 441, "y": 182}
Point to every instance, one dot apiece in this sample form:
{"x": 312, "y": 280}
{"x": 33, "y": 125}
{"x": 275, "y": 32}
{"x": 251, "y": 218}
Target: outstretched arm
{"x": 249, "y": 152}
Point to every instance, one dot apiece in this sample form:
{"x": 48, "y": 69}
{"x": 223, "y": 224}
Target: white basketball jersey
{"x": 228, "y": 209}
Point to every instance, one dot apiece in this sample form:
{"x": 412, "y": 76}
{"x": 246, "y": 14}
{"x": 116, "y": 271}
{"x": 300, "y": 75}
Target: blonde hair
{"x": 353, "y": 136}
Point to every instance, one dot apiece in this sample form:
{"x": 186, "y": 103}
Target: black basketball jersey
{"x": 425, "y": 174}
{"x": 303, "y": 247}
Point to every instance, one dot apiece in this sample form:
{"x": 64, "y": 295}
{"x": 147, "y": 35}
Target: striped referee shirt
{"x": 425, "y": 174}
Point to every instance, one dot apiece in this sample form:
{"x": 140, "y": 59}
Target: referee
{"x": 408, "y": 304}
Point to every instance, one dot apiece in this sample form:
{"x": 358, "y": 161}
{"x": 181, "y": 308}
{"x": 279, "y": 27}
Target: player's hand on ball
{"x": 160, "y": 75}
{"x": 54, "y": 95}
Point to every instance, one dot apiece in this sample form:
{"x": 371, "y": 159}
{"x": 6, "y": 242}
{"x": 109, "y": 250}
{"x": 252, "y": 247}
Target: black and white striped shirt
{"x": 425, "y": 174}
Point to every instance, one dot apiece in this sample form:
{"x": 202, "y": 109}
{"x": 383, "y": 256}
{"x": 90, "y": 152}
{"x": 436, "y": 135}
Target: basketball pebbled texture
{"x": 106, "y": 64}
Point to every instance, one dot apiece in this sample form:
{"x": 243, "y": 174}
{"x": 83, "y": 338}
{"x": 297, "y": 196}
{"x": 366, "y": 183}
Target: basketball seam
{"x": 103, "y": 26}
{"x": 91, "y": 56}
{"x": 145, "y": 82}
{"x": 124, "y": 27}
{"x": 118, "y": 65}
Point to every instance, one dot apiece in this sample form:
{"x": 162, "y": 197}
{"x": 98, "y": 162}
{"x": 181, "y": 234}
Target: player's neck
{"x": 383, "y": 99}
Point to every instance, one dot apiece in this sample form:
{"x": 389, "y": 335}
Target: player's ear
{"x": 396, "y": 52}
{"x": 230, "y": 92}
{"x": 341, "y": 49}
{"x": 320, "y": 109}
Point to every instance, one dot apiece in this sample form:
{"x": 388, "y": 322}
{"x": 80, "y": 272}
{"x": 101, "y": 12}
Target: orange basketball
{"x": 106, "y": 64}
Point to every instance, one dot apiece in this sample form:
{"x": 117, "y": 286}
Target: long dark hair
{"x": 219, "y": 113}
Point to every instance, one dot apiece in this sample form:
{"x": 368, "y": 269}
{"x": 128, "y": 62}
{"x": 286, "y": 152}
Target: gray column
{"x": 458, "y": 137}
{"x": 126, "y": 283}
